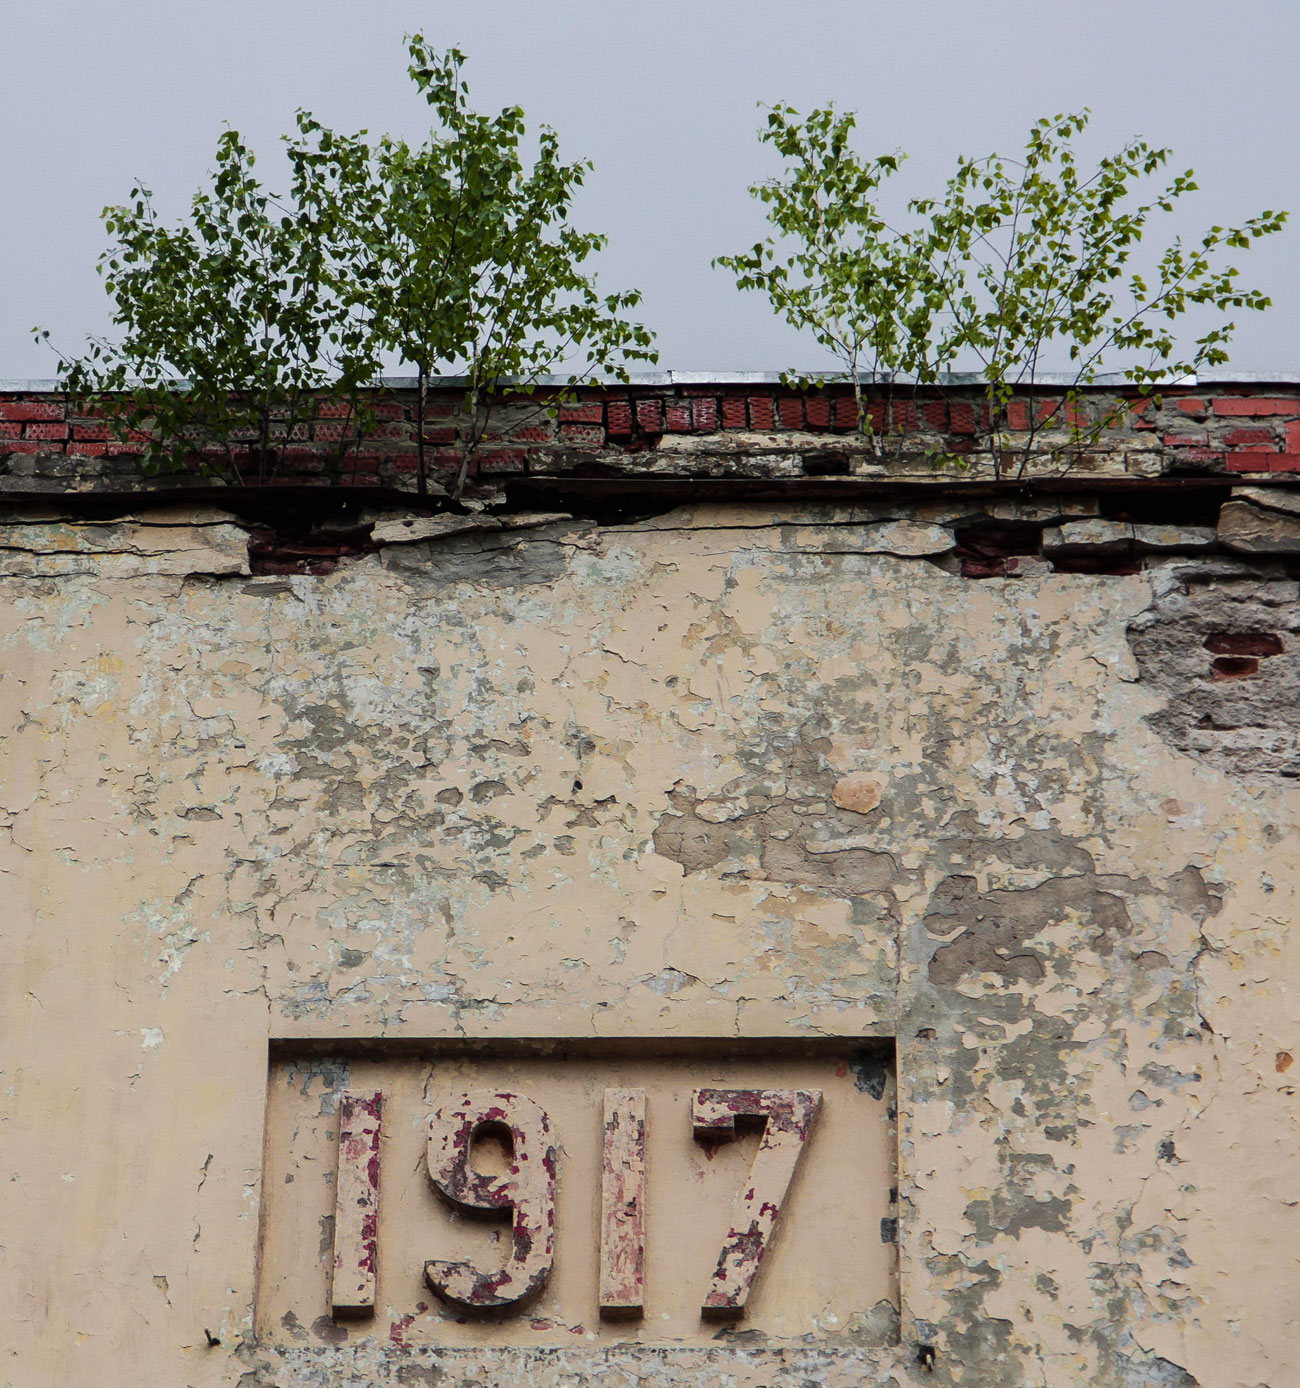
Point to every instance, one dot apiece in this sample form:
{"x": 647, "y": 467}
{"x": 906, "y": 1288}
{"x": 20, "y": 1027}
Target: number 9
{"x": 527, "y": 1187}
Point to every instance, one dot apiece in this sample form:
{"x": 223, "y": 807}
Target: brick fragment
{"x": 935, "y": 414}
{"x": 678, "y": 418}
{"x": 1241, "y": 438}
{"x": 1263, "y": 462}
{"x": 1255, "y": 405}
{"x": 582, "y": 435}
{"x": 649, "y": 416}
{"x": 1199, "y": 438}
{"x": 704, "y": 412}
{"x": 31, "y": 409}
{"x": 590, "y": 413}
{"x": 961, "y": 418}
{"x": 505, "y": 460}
{"x": 618, "y": 419}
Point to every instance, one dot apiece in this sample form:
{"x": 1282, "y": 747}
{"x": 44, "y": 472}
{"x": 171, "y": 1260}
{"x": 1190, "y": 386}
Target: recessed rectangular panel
{"x": 521, "y": 1190}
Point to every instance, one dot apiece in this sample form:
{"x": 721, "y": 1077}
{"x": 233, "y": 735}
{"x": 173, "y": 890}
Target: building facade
{"x": 712, "y": 905}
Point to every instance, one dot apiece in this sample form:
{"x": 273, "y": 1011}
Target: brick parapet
{"x": 714, "y": 429}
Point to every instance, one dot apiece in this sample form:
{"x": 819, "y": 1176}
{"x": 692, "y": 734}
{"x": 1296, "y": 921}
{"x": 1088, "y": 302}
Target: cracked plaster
{"x": 582, "y": 782}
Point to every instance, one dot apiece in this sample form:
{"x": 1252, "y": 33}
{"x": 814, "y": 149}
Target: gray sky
{"x": 663, "y": 97}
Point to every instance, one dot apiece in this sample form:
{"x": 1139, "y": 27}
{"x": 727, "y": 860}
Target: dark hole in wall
{"x": 984, "y": 548}
{"x": 1259, "y": 643}
{"x": 1098, "y": 564}
{"x": 1169, "y": 506}
{"x": 1234, "y": 667}
{"x": 826, "y": 465}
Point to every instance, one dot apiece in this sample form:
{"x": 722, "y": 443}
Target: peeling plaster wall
{"x": 724, "y": 773}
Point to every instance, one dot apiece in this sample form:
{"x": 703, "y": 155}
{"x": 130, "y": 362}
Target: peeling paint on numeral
{"x": 356, "y": 1206}
{"x": 527, "y": 1187}
{"x": 622, "y": 1206}
{"x": 789, "y": 1115}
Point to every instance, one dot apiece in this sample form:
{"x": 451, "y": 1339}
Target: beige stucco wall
{"x": 728, "y": 773}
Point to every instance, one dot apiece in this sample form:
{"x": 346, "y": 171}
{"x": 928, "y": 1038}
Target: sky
{"x": 664, "y": 98}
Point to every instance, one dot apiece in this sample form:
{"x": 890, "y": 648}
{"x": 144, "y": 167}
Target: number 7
{"x": 788, "y": 1115}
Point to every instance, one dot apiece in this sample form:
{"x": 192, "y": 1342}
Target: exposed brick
{"x": 935, "y": 414}
{"x": 704, "y": 412}
{"x": 1187, "y": 403}
{"x": 961, "y": 418}
{"x": 88, "y": 450}
{"x": 1254, "y": 405}
{"x": 845, "y": 412}
{"x": 762, "y": 414}
{"x": 10, "y": 429}
{"x": 1199, "y": 438}
{"x": 649, "y": 416}
{"x": 1293, "y": 437}
{"x": 877, "y": 412}
{"x": 590, "y": 413}
{"x": 334, "y": 409}
{"x": 332, "y": 430}
{"x": 531, "y": 433}
{"x": 443, "y": 434}
{"x": 98, "y": 430}
{"x": 581, "y": 435}
{"x": 510, "y": 459}
{"x": 678, "y": 419}
{"x": 31, "y": 409}
{"x": 903, "y": 414}
{"x": 733, "y": 412}
{"x": 618, "y": 418}
{"x": 818, "y": 410}
{"x": 1263, "y": 462}
{"x": 790, "y": 413}
{"x": 42, "y": 430}
{"x": 406, "y": 466}
{"x": 1241, "y": 438}
{"x": 28, "y": 446}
